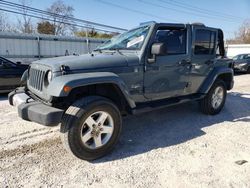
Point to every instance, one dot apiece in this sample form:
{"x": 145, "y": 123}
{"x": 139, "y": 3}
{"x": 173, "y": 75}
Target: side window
{"x": 204, "y": 42}
{"x": 5, "y": 64}
{"x": 1, "y": 63}
{"x": 247, "y": 56}
{"x": 175, "y": 40}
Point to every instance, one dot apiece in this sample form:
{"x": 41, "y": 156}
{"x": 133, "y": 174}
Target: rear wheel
{"x": 91, "y": 127}
{"x": 215, "y": 99}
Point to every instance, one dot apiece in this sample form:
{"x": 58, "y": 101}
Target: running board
{"x": 159, "y": 104}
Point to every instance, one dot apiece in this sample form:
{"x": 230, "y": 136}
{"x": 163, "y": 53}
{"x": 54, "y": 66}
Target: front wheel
{"x": 215, "y": 99}
{"x": 248, "y": 70}
{"x": 91, "y": 127}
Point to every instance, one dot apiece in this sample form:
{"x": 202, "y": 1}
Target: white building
{"x": 235, "y": 49}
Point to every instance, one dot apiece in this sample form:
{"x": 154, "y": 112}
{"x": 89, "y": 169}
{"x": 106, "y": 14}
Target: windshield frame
{"x": 101, "y": 47}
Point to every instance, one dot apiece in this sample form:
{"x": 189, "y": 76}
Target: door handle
{"x": 184, "y": 62}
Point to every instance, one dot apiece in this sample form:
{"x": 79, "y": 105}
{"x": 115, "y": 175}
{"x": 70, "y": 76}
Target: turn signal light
{"x": 66, "y": 89}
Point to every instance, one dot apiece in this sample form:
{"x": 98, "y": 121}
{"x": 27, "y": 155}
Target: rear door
{"x": 204, "y": 43}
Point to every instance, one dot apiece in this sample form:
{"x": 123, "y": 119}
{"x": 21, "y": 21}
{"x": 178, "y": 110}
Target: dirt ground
{"x": 172, "y": 147}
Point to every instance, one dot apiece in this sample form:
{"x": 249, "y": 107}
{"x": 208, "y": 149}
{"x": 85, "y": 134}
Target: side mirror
{"x": 159, "y": 49}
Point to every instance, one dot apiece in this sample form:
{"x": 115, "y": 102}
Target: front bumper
{"x": 34, "y": 111}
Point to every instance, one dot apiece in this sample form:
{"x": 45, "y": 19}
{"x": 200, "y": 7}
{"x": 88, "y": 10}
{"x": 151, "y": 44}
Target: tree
{"x": 45, "y": 27}
{"x": 94, "y": 34}
{"x": 243, "y": 34}
{"x": 25, "y": 25}
{"x": 5, "y": 24}
{"x": 60, "y": 13}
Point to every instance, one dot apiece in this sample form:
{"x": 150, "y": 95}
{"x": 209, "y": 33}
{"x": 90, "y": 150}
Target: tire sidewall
{"x": 248, "y": 70}
{"x": 218, "y": 83}
{"x": 74, "y": 132}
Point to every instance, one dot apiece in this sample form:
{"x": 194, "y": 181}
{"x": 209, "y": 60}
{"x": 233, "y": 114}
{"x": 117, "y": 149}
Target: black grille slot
{"x": 36, "y": 78}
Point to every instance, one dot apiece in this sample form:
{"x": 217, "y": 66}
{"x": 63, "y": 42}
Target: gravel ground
{"x": 173, "y": 147}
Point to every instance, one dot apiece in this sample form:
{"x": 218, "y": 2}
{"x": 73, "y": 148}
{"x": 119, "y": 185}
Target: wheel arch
{"x": 104, "y": 84}
{"x": 225, "y": 74}
{"x": 108, "y": 90}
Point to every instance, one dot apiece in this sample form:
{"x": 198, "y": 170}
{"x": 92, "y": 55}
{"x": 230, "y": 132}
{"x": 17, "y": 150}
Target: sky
{"x": 225, "y": 14}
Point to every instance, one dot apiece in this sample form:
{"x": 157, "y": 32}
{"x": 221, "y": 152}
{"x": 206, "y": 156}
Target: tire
{"x": 81, "y": 132}
{"x": 208, "y": 105}
{"x": 248, "y": 70}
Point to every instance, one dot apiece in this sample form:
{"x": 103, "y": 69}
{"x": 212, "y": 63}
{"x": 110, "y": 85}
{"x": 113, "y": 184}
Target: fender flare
{"x": 56, "y": 86}
{"x": 207, "y": 84}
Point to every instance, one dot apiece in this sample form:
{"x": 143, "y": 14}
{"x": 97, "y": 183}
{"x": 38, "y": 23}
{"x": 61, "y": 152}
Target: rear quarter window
{"x": 204, "y": 42}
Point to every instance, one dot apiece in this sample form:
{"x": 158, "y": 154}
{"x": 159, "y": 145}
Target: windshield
{"x": 130, "y": 40}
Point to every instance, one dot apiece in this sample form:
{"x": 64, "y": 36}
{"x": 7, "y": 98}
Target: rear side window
{"x": 247, "y": 56}
{"x": 204, "y": 42}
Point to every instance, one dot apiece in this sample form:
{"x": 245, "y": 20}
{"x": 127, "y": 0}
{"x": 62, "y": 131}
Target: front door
{"x": 10, "y": 75}
{"x": 168, "y": 76}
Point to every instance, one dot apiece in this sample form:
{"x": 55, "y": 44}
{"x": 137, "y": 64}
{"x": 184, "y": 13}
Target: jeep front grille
{"x": 36, "y": 78}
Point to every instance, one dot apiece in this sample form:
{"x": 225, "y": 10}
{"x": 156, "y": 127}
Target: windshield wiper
{"x": 98, "y": 50}
{"x": 116, "y": 50}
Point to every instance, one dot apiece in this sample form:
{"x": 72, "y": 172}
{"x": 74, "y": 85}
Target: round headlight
{"x": 49, "y": 76}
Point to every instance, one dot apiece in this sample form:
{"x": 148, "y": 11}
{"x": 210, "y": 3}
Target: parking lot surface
{"x": 172, "y": 147}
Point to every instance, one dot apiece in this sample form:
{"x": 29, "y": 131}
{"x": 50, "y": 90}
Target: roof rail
{"x": 198, "y": 23}
{"x": 147, "y": 23}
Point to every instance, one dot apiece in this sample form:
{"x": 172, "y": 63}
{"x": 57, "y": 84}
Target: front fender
{"x": 24, "y": 77}
{"x": 56, "y": 86}
{"x": 217, "y": 71}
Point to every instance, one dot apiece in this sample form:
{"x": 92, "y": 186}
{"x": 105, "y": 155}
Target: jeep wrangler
{"x": 152, "y": 66}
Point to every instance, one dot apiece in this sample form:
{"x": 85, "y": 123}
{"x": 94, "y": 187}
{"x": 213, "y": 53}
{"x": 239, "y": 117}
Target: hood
{"x": 86, "y": 61}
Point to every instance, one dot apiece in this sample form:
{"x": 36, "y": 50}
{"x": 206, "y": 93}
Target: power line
{"x": 47, "y": 19}
{"x": 47, "y": 13}
{"x": 182, "y": 11}
{"x": 195, "y": 8}
{"x": 134, "y": 10}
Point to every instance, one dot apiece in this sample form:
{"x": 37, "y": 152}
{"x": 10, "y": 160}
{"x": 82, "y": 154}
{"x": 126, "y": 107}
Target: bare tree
{"x": 5, "y": 24}
{"x": 62, "y": 23}
{"x": 25, "y": 24}
{"x": 243, "y": 34}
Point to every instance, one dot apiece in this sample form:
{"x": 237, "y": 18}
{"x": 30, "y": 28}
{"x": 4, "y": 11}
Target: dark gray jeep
{"x": 149, "y": 67}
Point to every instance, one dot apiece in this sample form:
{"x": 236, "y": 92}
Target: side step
{"x": 159, "y": 104}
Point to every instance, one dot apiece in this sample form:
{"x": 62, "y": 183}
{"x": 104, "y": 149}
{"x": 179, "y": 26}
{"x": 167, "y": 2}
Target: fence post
{"x": 38, "y": 47}
{"x": 87, "y": 41}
